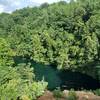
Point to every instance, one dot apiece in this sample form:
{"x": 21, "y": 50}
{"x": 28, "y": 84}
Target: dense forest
{"x": 63, "y": 35}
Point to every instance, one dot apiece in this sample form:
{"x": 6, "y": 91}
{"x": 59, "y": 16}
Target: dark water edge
{"x": 62, "y": 79}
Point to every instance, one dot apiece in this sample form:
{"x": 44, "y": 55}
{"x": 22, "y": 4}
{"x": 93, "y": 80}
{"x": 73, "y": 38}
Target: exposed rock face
{"x": 80, "y": 94}
{"x": 86, "y": 96}
{"x": 47, "y": 96}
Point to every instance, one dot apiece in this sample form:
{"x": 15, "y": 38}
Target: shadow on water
{"x": 63, "y": 79}
{"x": 77, "y": 81}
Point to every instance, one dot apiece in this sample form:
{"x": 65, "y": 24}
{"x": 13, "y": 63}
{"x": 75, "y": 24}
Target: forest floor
{"x": 81, "y": 95}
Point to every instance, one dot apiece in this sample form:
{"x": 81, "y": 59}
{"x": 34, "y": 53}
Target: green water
{"x": 63, "y": 79}
{"x": 48, "y": 74}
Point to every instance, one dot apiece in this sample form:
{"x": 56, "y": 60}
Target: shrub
{"x": 72, "y": 95}
{"x": 97, "y": 92}
{"x": 58, "y": 93}
{"x": 18, "y": 84}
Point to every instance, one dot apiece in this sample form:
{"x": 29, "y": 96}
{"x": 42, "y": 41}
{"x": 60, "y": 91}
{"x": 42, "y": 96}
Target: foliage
{"x": 62, "y": 34}
{"x": 6, "y": 53}
{"x": 97, "y": 92}
{"x": 19, "y": 83}
{"x": 72, "y": 95}
{"x": 58, "y": 93}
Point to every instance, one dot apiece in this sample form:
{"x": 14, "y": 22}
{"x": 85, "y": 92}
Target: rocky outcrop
{"x": 80, "y": 94}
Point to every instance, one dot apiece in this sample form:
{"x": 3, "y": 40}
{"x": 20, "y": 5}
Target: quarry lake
{"x": 63, "y": 79}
